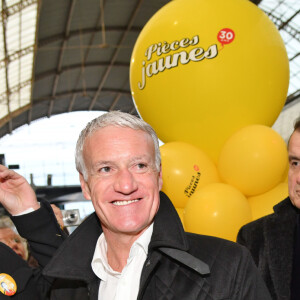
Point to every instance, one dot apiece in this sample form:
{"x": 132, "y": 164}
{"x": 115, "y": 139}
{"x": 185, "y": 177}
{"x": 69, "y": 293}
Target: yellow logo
{"x": 8, "y": 285}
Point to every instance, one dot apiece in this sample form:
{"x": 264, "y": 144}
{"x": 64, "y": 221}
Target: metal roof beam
{"x": 74, "y": 33}
{"x": 79, "y": 92}
{"x": 17, "y": 7}
{"x": 29, "y": 116}
{"x": 72, "y": 103}
{"x": 117, "y": 98}
{"x": 295, "y": 56}
{"x": 132, "y": 110}
{"x": 62, "y": 50}
{"x": 15, "y": 89}
{"x": 90, "y": 44}
{"x": 288, "y": 28}
{"x": 7, "y": 92}
{"x": 283, "y": 24}
{"x": 16, "y": 55}
{"x": 77, "y": 66}
{"x": 293, "y": 97}
{"x": 102, "y": 82}
{"x": 50, "y": 108}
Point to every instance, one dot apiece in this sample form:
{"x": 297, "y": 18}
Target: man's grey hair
{"x": 117, "y": 119}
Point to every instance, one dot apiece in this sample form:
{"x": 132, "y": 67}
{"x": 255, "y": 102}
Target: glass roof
{"x": 17, "y": 40}
{"x": 285, "y": 14}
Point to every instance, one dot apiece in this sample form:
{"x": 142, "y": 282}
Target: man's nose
{"x": 125, "y": 182}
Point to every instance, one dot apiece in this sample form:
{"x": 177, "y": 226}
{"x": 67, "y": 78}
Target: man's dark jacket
{"x": 271, "y": 242}
{"x": 179, "y": 265}
{"x": 30, "y": 283}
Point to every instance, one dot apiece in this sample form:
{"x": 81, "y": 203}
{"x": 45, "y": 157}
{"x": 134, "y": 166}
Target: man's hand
{"x": 16, "y": 194}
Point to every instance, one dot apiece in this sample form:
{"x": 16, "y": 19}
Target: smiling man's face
{"x": 123, "y": 182}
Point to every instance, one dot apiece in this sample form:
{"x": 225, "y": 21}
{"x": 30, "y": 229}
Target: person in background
{"x": 20, "y": 277}
{"x": 11, "y": 238}
{"x": 18, "y": 263}
{"x": 134, "y": 245}
{"x": 274, "y": 240}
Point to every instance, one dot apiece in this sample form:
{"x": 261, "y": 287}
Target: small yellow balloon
{"x": 202, "y": 69}
{"x": 218, "y": 210}
{"x": 262, "y": 205}
{"x": 185, "y": 168}
{"x": 254, "y": 160}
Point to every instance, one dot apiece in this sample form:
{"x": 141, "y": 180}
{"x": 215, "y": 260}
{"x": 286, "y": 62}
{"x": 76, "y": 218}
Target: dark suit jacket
{"x": 179, "y": 265}
{"x": 271, "y": 242}
{"x": 28, "y": 280}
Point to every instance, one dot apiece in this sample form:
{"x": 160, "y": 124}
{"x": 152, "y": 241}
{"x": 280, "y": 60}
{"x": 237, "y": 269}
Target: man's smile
{"x": 125, "y": 202}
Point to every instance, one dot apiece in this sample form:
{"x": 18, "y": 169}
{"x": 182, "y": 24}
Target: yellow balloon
{"x": 217, "y": 209}
{"x": 253, "y": 160}
{"x": 262, "y": 205}
{"x": 202, "y": 69}
{"x": 185, "y": 168}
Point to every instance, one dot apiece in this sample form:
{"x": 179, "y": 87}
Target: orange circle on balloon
{"x": 189, "y": 90}
{"x": 226, "y": 36}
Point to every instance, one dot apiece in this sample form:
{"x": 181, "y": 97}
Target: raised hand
{"x": 16, "y": 194}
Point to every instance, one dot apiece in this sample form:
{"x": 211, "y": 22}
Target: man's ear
{"x": 85, "y": 188}
{"x": 160, "y": 180}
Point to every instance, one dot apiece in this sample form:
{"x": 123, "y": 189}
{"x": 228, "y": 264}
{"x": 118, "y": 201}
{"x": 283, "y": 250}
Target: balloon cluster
{"x": 211, "y": 77}
{"x": 245, "y": 184}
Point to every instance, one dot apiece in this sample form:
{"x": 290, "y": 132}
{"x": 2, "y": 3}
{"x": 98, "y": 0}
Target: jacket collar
{"x": 73, "y": 259}
{"x": 285, "y": 207}
{"x": 168, "y": 230}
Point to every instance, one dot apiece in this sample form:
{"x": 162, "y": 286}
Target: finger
{"x": 6, "y": 174}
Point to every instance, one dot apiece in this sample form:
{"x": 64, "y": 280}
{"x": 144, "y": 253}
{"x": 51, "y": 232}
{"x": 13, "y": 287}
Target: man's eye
{"x": 141, "y": 166}
{"x": 105, "y": 169}
{"x": 294, "y": 163}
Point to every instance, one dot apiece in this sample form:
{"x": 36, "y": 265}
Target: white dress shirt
{"x": 124, "y": 285}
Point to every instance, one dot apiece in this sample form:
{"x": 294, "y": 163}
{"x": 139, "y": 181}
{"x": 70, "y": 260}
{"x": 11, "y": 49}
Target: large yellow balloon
{"x": 201, "y": 69}
{"x": 185, "y": 168}
{"x": 217, "y": 209}
{"x": 262, "y": 205}
{"x": 253, "y": 159}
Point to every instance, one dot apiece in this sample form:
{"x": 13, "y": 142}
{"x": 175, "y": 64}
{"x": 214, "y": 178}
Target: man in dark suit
{"x": 274, "y": 240}
{"x": 134, "y": 245}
